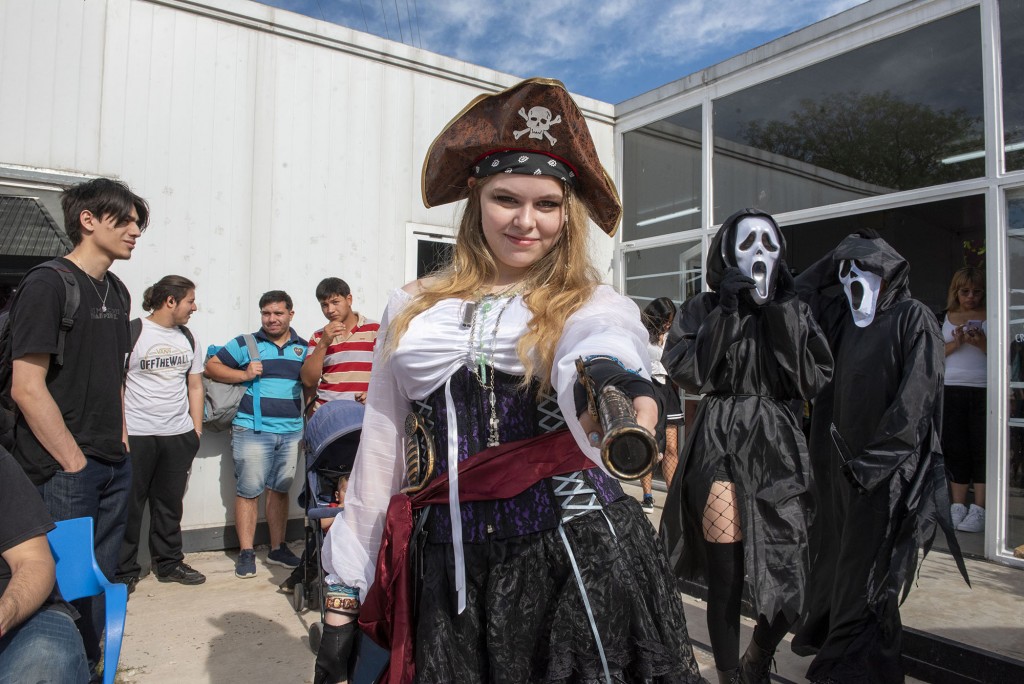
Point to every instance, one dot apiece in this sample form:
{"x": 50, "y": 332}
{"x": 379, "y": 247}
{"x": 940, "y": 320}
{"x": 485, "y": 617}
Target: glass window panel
{"x": 904, "y": 112}
{"x": 432, "y": 255}
{"x": 1011, "y": 29}
{"x": 1015, "y": 316}
{"x": 673, "y": 271}
{"x": 936, "y": 238}
{"x": 661, "y": 177}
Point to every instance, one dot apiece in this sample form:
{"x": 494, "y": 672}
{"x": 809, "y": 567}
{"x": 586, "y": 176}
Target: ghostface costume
{"x": 875, "y": 446}
{"x": 752, "y": 349}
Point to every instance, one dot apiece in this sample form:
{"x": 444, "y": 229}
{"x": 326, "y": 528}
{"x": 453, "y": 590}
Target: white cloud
{"x": 597, "y": 41}
{"x": 530, "y": 36}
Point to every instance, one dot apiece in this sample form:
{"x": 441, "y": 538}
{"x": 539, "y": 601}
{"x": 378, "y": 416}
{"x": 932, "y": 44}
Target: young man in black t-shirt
{"x": 38, "y": 639}
{"x": 70, "y": 437}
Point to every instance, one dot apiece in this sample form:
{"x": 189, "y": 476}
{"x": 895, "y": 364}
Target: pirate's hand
{"x": 592, "y": 428}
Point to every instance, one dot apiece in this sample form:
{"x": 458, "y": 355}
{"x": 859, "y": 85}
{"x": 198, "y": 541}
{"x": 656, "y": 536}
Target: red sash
{"x": 500, "y": 472}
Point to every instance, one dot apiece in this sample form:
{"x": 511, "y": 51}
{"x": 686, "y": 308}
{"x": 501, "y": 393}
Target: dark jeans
{"x": 98, "y": 491}
{"x": 44, "y": 648}
{"x": 160, "y": 468}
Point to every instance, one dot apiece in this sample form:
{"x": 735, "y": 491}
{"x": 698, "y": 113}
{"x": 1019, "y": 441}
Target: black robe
{"x": 885, "y": 403}
{"x": 752, "y": 366}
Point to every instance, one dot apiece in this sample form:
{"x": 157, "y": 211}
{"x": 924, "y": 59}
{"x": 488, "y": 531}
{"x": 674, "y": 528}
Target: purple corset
{"x": 521, "y": 415}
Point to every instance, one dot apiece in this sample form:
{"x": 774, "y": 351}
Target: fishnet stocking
{"x": 669, "y": 461}
{"x": 721, "y": 515}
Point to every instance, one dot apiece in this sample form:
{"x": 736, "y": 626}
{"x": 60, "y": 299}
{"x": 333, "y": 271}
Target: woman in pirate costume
{"x": 518, "y": 559}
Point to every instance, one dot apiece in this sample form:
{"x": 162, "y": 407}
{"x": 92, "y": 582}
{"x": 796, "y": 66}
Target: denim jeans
{"x": 45, "y": 648}
{"x": 263, "y": 460}
{"x": 98, "y": 491}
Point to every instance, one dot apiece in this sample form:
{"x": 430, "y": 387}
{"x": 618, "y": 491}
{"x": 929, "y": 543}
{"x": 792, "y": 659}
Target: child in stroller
{"x": 331, "y": 440}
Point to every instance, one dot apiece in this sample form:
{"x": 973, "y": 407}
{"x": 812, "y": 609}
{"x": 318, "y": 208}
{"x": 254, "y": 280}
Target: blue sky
{"x": 610, "y": 50}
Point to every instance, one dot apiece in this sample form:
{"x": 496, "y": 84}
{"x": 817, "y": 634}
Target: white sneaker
{"x": 975, "y": 520}
{"x": 958, "y": 512}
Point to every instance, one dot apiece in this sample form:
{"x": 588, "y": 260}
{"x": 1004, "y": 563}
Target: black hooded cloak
{"x": 880, "y": 480}
{"x": 750, "y": 366}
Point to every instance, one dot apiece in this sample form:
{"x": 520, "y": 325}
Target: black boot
{"x": 728, "y": 676}
{"x": 755, "y": 665}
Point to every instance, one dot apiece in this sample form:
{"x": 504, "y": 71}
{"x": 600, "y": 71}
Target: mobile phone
{"x": 970, "y": 326}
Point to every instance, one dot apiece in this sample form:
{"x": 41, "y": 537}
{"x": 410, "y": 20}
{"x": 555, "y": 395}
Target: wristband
{"x": 342, "y": 600}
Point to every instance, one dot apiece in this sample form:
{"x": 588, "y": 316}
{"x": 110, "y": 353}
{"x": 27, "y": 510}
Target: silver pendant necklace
{"x": 479, "y": 361}
{"x": 103, "y": 302}
{"x": 103, "y": 299}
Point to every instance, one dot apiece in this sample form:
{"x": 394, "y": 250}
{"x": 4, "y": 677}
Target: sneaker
{"x": 282, "y": 555}
{"x": 974, "y": 521}
{"x": 245, "y": 566}
{"x": 958, "y": 512}
{"x": 129, "y": 581}
{"x": 648, "y": 503}
{"x": 182, "y": 573}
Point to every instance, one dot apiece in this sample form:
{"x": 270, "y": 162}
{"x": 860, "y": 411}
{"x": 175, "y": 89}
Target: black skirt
{"x": 526, "y": 619}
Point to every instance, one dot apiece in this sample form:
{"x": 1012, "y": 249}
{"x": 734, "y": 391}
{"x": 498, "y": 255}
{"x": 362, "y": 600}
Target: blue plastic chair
{"x": 79, "y": 576}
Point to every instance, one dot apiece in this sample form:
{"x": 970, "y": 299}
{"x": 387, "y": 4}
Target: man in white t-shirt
{"x": 163, "y": 407}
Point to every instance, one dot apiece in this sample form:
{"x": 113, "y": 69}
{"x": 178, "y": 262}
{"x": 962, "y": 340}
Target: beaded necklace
{"x": 479, "y": 361}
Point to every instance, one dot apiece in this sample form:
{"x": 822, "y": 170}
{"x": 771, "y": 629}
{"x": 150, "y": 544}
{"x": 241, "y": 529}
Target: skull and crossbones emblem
{"x": 538, "y": 123}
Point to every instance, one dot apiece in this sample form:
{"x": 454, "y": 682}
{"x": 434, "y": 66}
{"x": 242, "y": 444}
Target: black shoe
{"x": 129, "y": 581}
{"x": 288, "y": 586}
{"x": 181, "y": 573}
{"x": 756, "y": 665}
{"x": 728, "y": 676}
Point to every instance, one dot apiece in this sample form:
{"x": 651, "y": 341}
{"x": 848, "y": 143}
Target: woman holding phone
{"x": 963, "y": 421}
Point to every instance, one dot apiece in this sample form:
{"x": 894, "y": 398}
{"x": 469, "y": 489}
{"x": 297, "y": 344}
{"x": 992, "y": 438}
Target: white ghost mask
{"x": 863, "y": 289}
{"x": 757, "y": 251}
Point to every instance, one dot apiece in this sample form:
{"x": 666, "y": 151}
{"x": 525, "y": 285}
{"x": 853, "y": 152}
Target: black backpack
{"x": 72, "y": 299}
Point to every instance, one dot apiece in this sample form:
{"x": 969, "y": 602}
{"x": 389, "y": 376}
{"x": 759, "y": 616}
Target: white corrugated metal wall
{"x": 274, "y": 150}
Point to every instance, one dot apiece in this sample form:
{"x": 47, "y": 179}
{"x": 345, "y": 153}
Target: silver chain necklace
{"x": 103, "y": 299}
{"x": 479, "y": 361}
{"x": 103, "y": 302}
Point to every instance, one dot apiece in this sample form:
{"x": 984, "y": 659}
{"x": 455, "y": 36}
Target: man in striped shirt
{"x": 340, "y": 354}
{"x": 266, "y": 431}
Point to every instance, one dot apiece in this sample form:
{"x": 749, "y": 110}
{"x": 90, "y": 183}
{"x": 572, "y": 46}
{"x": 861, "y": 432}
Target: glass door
{"x": 1013, "y": 511}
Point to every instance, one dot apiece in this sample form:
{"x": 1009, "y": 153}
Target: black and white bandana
{"x": 525, "y": 163}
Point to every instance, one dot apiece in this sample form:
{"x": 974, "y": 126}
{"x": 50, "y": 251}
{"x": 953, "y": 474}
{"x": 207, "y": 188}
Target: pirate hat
{"x": 535, "y": 116}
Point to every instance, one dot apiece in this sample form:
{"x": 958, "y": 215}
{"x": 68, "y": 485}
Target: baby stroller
{"x": 331, "y": 440}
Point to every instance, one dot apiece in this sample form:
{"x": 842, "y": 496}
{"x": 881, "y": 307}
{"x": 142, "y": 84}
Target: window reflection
{"x": 902, "y": 113}
{"x": 673, "y": 271}
{"x": 661, "y": 175}
{"x": 1011, "y": 30}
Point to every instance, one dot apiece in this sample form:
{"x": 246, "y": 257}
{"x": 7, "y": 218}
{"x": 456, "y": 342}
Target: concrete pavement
{"x": 231, "y": 630}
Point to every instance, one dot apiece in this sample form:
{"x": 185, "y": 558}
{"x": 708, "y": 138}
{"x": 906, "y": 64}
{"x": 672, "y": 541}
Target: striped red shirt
{"x": 348, "y": 361}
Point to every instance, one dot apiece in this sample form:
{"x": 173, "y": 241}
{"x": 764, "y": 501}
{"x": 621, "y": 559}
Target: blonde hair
{"x": 967, "y": 276}
{"x": 556, "y": 286}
